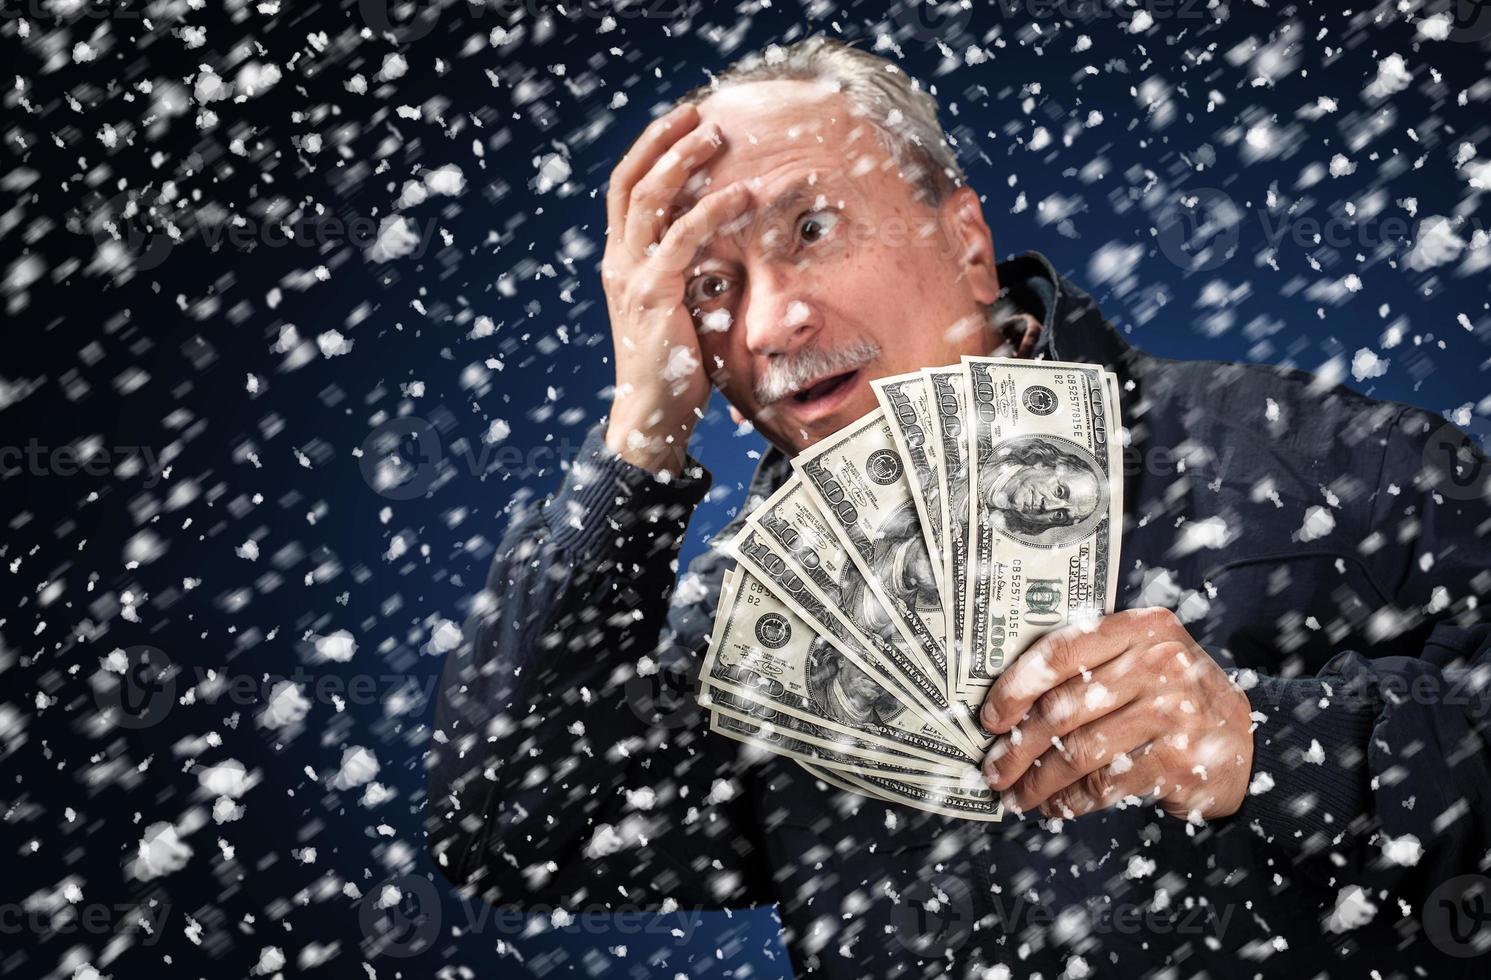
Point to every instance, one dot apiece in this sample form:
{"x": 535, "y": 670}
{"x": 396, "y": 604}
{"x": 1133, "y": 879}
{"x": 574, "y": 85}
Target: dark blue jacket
{"x": 1325, "y": 545}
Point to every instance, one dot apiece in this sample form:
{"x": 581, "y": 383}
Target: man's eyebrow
{"x": 798, "y": 193}
{"x": 803, "y": 191}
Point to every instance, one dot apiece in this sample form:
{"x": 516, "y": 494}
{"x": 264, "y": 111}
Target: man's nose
{"x": 779, "y": 320}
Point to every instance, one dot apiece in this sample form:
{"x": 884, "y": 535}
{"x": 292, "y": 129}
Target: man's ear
{"x": 969, "y": 242}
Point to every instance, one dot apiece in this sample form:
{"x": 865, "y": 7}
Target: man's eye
{"x": 816, "y": 225}
{"x": 705, "y": 289}
{"x": 1061, "y": 491}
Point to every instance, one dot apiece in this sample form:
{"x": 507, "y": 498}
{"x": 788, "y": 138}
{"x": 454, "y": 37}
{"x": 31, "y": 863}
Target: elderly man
{"x": 1307, "y": 744}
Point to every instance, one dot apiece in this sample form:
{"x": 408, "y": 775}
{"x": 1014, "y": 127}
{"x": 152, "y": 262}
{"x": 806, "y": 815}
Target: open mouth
{"x": 823, "y": 389}
{"x": 823, "y": 399}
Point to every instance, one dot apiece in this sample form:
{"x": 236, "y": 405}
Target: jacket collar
{"x": 1072, "y": 329}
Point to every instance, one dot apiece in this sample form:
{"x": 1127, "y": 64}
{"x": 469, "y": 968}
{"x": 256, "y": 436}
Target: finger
{"x": 1133, "y": 775}
{"x": 1057, "y": 713}
{"x": 1053, "y": 659}
{"x": 1084, "y": 751}
{"x": 661, "y": 133}
{"x": 696, "y": 227}
{"x": 650, "y": 201}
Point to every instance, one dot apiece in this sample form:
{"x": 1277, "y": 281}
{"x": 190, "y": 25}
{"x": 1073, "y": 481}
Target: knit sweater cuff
{"x": 1310, "y": 778}
{"x": 605, "y": 496}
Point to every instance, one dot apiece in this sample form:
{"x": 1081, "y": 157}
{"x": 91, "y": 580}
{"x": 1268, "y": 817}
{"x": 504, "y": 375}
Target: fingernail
{"x": 1007, "y": 800}
{"x": 990, "y": 770}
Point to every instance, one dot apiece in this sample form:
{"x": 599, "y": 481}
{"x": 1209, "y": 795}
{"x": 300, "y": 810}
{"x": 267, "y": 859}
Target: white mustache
{"x": 787, "y": 374}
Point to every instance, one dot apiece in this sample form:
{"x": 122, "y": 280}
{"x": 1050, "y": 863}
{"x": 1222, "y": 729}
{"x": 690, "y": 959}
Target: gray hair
{"x": 902, "y": 114}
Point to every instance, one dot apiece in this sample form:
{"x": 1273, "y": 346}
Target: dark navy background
{"x": 390, "y": 571}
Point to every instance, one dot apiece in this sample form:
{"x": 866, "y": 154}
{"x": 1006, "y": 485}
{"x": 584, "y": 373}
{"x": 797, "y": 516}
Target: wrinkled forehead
{"x": 768, "y": 125}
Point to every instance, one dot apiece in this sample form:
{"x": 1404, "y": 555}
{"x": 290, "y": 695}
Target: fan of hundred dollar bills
{"x": 911, "y": 556}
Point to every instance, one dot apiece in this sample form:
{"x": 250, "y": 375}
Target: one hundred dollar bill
{"x": 858, "y": 481}
{"x": 764, "y": 652}
{"x": 791, "y": 546}
{"x": 903, "y": 398}
{"x": 787, "y": 740}
{"x": 946, "y": 399}
{"x": 1045, "y": 505}
{"x": 960, "y": 800}
{"x": 743, "y": 705}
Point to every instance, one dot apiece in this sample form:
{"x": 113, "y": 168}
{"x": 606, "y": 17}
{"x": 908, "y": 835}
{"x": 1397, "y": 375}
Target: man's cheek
{"x": 716, "y": 365}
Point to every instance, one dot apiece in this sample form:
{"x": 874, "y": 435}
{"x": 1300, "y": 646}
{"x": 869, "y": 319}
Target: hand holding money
{"x": 1128, "y": 706}
{"x": 912, "y": 557}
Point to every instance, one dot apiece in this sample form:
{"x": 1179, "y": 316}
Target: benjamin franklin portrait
{"x": 845, "y": 693}
{"x": 902, "y": 562}
{"x": 1042, "y": 490}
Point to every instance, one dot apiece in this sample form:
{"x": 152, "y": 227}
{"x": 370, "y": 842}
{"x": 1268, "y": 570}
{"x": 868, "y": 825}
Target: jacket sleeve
{"x": 554, "y": 776}
{"x": 1381, "y": 764}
